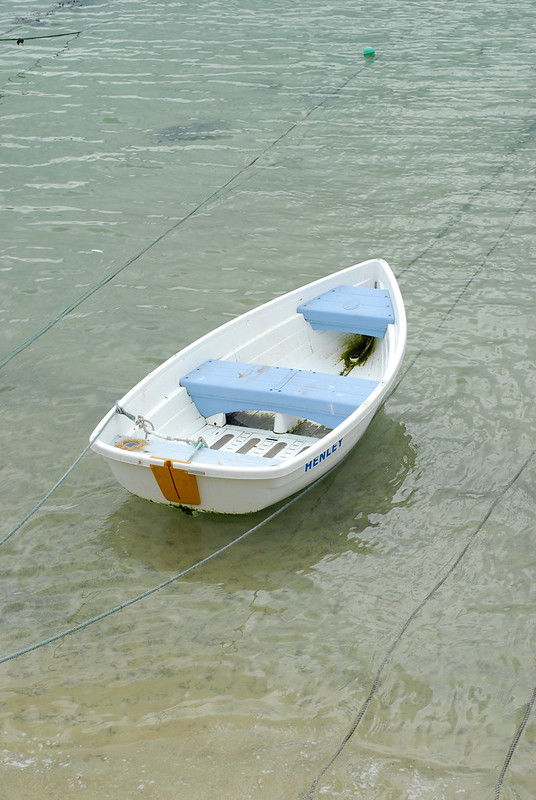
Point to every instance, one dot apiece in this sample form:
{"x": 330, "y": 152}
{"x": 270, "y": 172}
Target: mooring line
{"x": 22, "y": 39}
{"x": 215, "y": 195}
{"x": 173, "y": 579}
{"x": 396, "y": 641}
{"x": 513, "y": 745}
{"x": 58, "y": 483}
{"x": 43, "y": 500}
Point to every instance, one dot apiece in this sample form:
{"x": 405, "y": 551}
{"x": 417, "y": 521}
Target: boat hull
{"x": 160, "y": 447}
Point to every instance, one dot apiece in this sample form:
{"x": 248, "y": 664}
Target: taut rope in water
{"x": 513, "y": 745}
{"x": 22, "y": 39}
{"x": 58, "y": 483}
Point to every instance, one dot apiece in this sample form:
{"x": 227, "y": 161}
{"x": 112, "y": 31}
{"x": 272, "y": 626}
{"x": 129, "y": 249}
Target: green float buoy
{"x": 369, "y": 51}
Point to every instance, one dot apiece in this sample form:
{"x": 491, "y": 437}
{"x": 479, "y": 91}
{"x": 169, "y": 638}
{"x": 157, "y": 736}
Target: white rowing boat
{"x": 267, "y": 403}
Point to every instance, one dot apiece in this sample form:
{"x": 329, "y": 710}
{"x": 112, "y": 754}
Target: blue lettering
{"x": 322, "y": 457}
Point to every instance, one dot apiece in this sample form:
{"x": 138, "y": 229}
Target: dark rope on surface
{"x": 22, "y": 39}
{"x": 416, "y": 611}
{"x": 58, "y": 483}
{"x": 513, "y": 745}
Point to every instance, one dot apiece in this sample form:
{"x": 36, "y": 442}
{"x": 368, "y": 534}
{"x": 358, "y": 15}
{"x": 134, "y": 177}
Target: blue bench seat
{"x": 350, "y": 309}
{"x": 223, "y": 386}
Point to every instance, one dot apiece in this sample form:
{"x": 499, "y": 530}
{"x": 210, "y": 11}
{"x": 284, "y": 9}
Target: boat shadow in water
{"x": 344, "y": 508}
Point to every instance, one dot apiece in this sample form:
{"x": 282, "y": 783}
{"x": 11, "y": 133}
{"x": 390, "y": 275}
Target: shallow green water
{"x": 243, "y": 679}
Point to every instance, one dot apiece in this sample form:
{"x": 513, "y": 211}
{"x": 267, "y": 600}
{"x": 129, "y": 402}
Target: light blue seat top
{"x": 350, "y": 309}
{"x": 224, "y": 386}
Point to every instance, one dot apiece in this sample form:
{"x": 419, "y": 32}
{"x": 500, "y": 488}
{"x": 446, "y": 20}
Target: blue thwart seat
{"x": 223, "y": 386}
{"x": 350, "y": 309}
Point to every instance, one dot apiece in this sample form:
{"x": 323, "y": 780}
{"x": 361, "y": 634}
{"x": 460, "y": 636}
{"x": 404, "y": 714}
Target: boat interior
{"x": 234, "y": 406}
